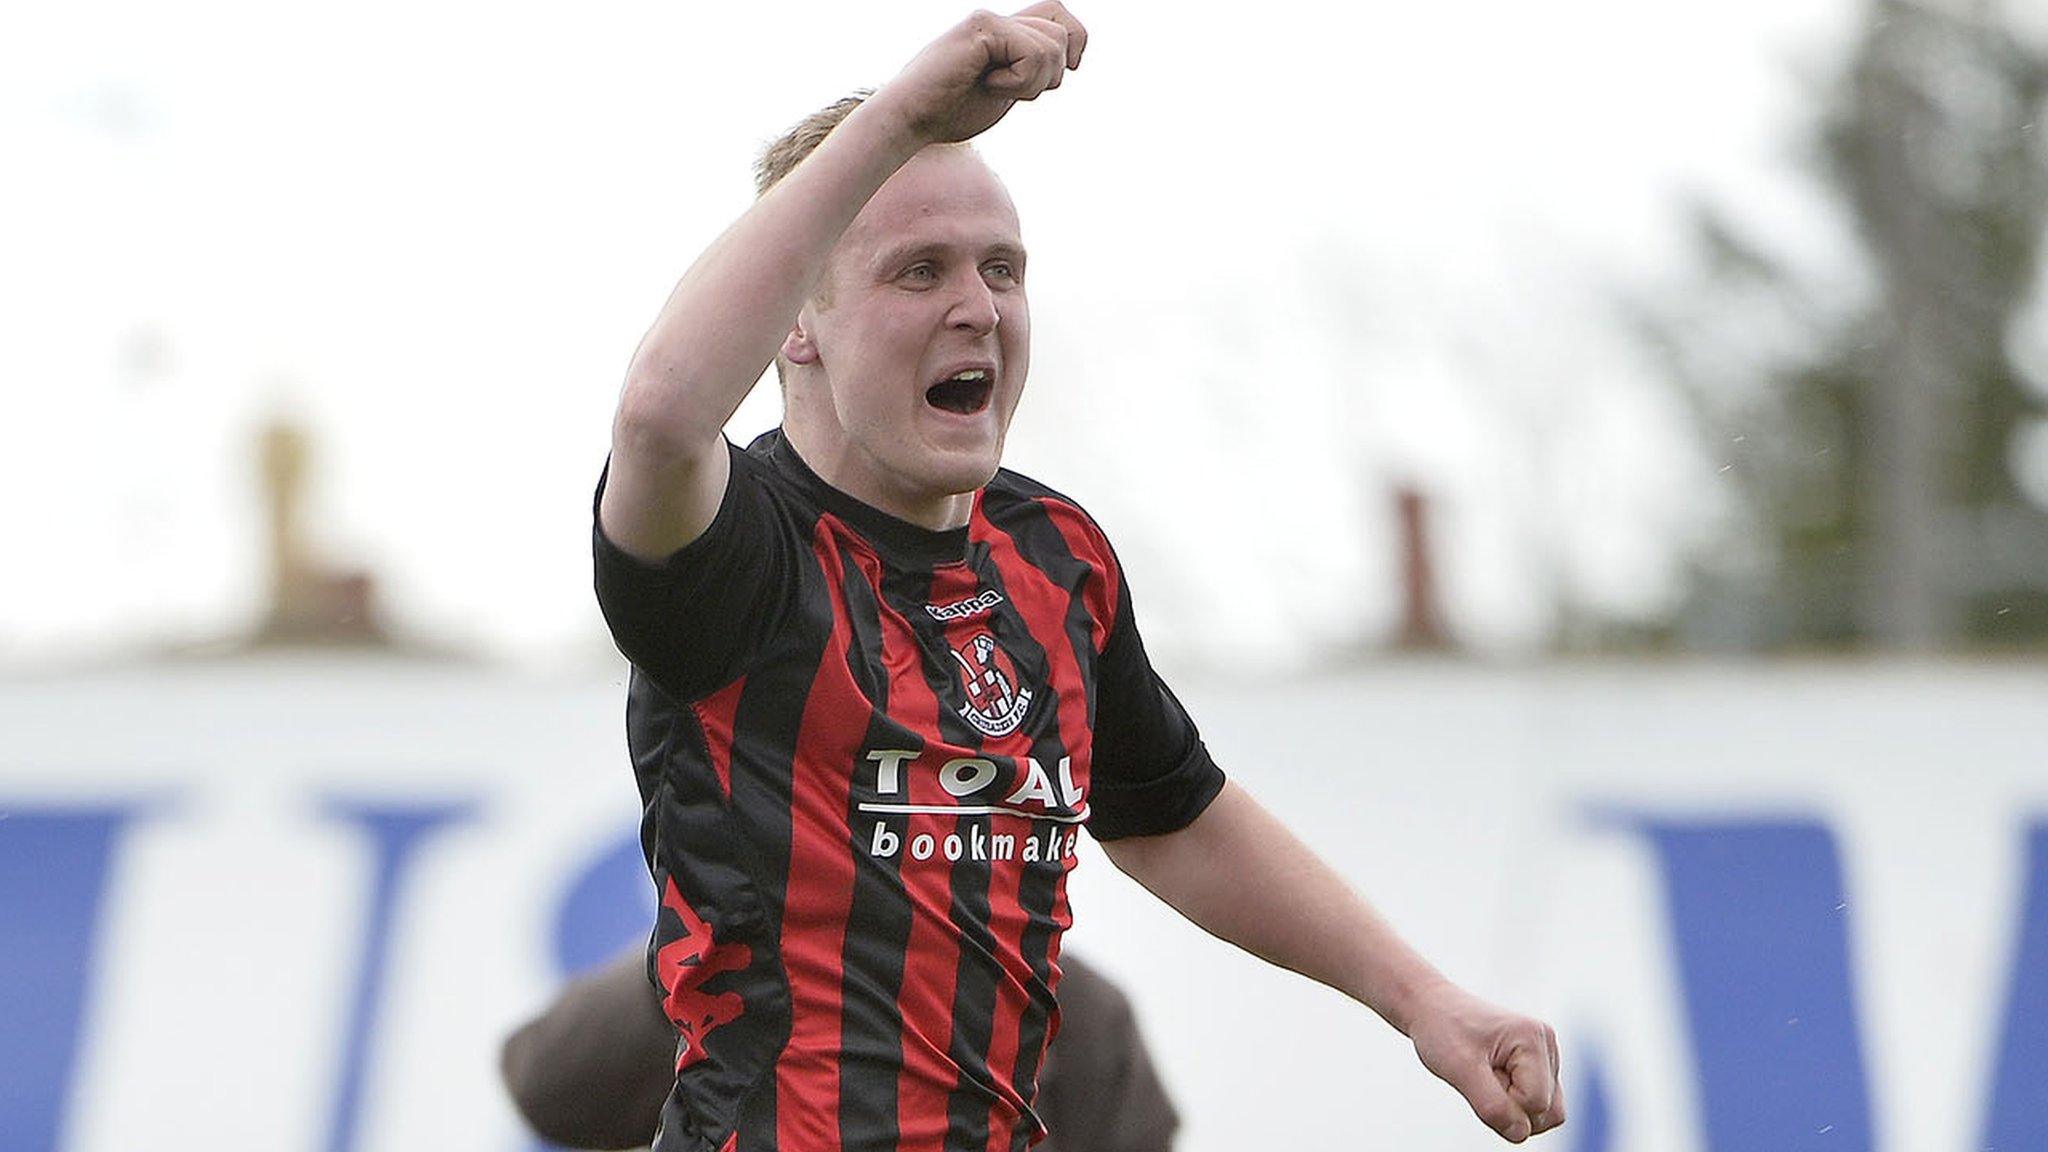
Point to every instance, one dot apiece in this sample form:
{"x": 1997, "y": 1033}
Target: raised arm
{"x": 733, "y": 309}
{"x": 1279, "y": 901}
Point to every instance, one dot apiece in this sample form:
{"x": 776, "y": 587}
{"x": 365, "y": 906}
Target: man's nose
{"x": 974, "y": 306}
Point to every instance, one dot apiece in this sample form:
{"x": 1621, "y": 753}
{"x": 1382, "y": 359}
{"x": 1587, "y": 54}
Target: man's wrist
{"x": 891, "y": 125}
{"x": 1408, "y": 997}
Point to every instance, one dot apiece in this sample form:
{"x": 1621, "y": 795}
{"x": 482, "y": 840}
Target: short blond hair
{"x": 782, "y": 156}
{"x": 788, "y": 150}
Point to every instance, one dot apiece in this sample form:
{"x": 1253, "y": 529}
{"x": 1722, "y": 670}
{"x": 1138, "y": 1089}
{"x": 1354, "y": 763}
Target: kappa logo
{"x": 996, "y": 700}
{"x": 684, "y": 964}
{"x": 962, "y": 609}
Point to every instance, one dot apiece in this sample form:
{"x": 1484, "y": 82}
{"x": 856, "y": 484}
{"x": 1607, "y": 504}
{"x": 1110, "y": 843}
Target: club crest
{"x": 996, "y": 699}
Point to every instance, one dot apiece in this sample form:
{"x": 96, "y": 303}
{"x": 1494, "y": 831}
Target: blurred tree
{"x": 1877, "y": 463}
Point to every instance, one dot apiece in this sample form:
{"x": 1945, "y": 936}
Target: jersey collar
{"x": 897, "y": 540}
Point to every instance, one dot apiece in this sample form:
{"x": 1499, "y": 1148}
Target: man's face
{"x": 919, "y": 340}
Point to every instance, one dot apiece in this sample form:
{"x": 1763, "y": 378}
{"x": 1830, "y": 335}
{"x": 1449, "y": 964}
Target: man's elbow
{"x": 656, "y": 428}
{"x": 1138, "y": 856}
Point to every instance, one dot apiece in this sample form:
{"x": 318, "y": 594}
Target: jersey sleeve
{"x": 1150, "y": 773}
{"x": 696, "y": 621}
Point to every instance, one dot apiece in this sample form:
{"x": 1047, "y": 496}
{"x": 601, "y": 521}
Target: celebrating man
{"x": 880, "y": 684}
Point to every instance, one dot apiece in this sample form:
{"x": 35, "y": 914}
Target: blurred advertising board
{"x": 294, "y": 903}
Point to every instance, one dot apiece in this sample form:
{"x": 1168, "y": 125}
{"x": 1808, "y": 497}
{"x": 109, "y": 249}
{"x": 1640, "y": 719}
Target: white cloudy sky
{"x": 1283, "y": 256}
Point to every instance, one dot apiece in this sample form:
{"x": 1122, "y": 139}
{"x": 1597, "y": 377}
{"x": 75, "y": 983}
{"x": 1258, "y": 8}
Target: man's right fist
{"x": 963, "y": 82}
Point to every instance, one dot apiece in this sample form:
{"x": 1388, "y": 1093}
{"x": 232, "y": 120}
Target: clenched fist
{"x": 1504, "y": 1065}
{"x": 967, "y": 79}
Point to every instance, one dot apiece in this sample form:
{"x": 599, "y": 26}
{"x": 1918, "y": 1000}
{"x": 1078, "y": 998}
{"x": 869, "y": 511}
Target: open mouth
{"x": 964, "y": 393}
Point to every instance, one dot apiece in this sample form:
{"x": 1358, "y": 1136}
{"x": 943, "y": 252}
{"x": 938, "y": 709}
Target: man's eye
{"x": 999, "y": 270}
{"x": 921, "y": 273}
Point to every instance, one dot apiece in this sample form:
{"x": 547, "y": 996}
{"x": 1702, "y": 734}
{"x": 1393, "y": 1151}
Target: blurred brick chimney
{"x": 1422, "y": 621}
{"x": 311, "y": 603}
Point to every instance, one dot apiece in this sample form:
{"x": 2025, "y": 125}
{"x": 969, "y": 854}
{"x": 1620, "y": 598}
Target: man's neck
{"x": 842, "y": 468}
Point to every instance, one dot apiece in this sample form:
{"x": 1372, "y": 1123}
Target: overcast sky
{"x": 1282, "y": 259}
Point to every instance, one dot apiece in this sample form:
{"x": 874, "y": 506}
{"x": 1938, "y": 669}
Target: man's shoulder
{"x": 1016, "y": 502}
{"x": 1012, "y": 493}
{"x": 773, "y": 479}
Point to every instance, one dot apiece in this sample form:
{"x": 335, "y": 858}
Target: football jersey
{"x": 865, "y": 752}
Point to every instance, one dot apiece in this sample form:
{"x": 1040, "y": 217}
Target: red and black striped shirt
{"x": 865, "y": 750}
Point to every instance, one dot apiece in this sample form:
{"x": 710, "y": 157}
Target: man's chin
{"x": 963, "y": 469}
{"x": 961, "y": 481}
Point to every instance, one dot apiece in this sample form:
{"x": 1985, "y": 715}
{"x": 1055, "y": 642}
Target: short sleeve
{"x": 695, "y": 621}
{"x": 1150, "y": 773}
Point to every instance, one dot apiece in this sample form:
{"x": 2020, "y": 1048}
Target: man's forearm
{"x": 730, "y": 312}
{"x": 1279, "y": 901}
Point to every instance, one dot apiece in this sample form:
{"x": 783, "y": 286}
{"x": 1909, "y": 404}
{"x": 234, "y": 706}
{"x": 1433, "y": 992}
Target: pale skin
{"x": 884, "y": 264}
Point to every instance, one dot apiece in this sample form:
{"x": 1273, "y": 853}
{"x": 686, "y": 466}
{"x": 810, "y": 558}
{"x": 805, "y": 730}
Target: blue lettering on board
{"x": 53, "y": 880}
{"x": 397, "y": 832}
{"x": 606, "y": 908}
{"x": 2015, "y": 1118}
{"x": 1758, "y": 914}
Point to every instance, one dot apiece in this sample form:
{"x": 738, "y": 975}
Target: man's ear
{"x": 798, "y": 347}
